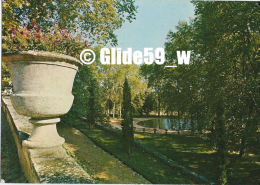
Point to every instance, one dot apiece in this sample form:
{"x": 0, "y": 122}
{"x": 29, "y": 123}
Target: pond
{"x": 164, "y": 123}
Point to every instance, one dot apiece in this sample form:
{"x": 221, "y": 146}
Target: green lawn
{"x": 189, "y": 151}
{"x": 153, "y": 170}
{"x": 192, "y": 152}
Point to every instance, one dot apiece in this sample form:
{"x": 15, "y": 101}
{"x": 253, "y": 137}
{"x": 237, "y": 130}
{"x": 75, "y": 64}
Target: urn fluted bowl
{"x": 42, "y": 82}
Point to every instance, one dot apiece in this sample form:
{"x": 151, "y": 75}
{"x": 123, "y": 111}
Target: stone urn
{"x": 42, "y": 90}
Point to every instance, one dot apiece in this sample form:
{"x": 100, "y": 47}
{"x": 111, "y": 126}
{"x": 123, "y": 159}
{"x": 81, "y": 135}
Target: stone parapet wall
{"x": 45, "y": 165}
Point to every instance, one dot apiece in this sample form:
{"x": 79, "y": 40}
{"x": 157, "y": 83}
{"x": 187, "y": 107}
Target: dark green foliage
{"x": 87, "y": 101}
{"x": 92, "y": 102}
{"x": 148, "y": 105}
{"x": 127, "y": 115}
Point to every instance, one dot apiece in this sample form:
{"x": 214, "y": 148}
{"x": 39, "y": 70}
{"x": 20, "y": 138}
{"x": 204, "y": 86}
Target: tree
{"x": 88, "y": 99}
{"x": 148, "y": 105}
{"x": 94, "y": 19}
{"x": 229, "y": 48}
{"x": 92, "y": 103}
{"x": 219, "y": 90}
{"x": 112, "y": 79}
{"x": 154, "y": 74}
{"x": 127, "y": 113}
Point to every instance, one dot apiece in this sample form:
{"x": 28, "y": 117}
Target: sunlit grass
{"x": 194, "y": 153}
{"x": 139, "y": 136}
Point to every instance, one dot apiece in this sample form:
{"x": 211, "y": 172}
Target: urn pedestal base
{"x": 44, "y": 134}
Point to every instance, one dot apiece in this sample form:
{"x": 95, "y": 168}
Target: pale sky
{"x": 153, "y": 21}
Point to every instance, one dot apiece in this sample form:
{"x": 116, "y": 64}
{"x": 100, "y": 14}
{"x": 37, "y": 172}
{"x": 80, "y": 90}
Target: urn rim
{"x": 33, "y": 55}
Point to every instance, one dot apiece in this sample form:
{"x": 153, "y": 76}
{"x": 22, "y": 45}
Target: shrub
{"x": 56, "y": 40}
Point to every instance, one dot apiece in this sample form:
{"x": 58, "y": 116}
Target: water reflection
{"x": 164, "y": 123}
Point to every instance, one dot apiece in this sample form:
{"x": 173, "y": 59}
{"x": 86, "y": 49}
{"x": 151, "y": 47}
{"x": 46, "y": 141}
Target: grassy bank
{"x": 192, "y": 152}
{"x": 153, "y": 170}
{"x": 189, "y": 151}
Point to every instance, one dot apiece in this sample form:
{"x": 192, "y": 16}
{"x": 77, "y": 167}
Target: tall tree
{"x": 112, "y": 80}
{"x": 148, "y": 105}
{"x": 92, "y": 102}
{"x": 127, "y": 113}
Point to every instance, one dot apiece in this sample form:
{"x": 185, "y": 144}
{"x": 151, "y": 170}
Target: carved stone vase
{"x": 42, "y": 90}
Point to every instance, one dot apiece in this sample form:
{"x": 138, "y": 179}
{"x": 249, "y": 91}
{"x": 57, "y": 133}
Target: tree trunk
{"x": 120, "y": 111}
{"x": 159, "y": 107}
{"x": 221, "y": 144}
{"x": 114, "y": 110}
{"x": 248, "y": 134}
{"x": 242, "y": 150}
{"x": 192, "y": 124}
{"x": 179, "y": 121}
{"x": 199, "y": 124}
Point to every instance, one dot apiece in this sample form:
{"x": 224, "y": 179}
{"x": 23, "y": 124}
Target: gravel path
{"x": 103, "y": 167}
